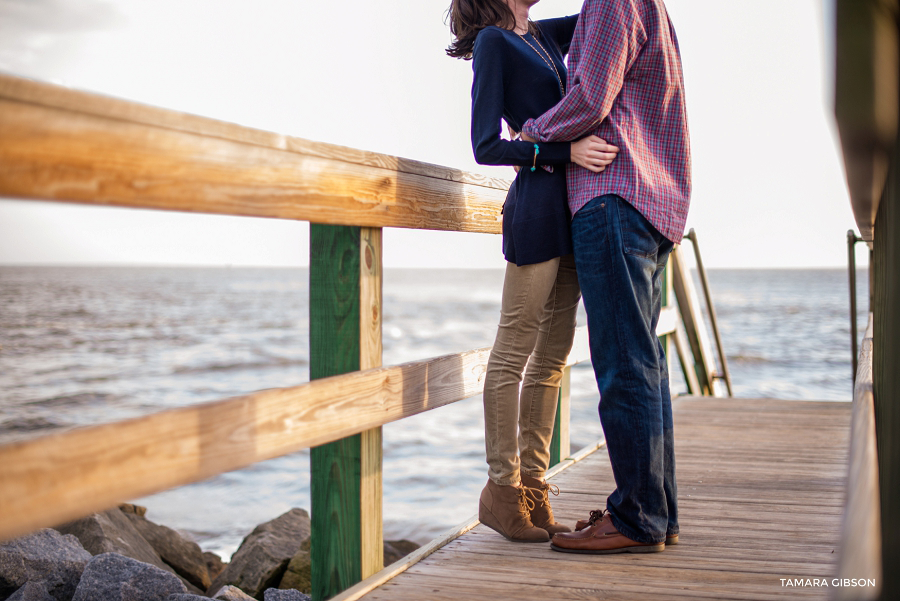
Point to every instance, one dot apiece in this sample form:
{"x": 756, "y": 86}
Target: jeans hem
{"x": 509, "y": 481}
{"x": 636, "y": 537}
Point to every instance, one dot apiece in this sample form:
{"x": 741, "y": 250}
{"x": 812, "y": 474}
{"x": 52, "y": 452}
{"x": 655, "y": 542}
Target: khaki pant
{"x": 537, "y": 325}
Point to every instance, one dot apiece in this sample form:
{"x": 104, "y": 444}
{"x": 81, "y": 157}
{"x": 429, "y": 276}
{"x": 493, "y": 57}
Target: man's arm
{"x": 613, "y": 37}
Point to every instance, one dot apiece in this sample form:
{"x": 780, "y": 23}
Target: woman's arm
{"x": 560, "y": 30}
{"x": 489, "y": 57}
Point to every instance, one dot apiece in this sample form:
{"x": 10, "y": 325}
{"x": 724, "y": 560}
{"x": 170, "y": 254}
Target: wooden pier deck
{"x": 761, "y": 488}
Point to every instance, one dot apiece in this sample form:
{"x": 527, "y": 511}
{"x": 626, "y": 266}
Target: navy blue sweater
{"x": 513, "y": 83}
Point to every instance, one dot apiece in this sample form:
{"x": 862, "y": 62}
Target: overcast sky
{"x": 768, "y": 183}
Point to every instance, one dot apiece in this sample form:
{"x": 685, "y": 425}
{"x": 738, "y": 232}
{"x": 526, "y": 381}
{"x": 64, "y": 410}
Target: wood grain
{"x": 337, "y": 344}
{"x": 371, "y": 275}
{"x": 59, "y": 144}
{"x": 59, "y": 477}
{"x": 759, "y": 500}
{"x": 63, "y": 476}
{"x": 49, "y": 95}
{"x": 401, "y": 565}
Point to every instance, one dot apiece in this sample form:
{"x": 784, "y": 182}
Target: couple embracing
{"x": 600, "y": 197}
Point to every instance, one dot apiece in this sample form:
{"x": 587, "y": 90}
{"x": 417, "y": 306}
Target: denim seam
{"x": 618, "y": 266}
{"x": 633, "y": 251}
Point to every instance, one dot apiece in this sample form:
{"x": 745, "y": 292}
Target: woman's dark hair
{"x": 468, "y": 17}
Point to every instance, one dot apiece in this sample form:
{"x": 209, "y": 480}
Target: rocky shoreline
{"x": 120, "y": 555}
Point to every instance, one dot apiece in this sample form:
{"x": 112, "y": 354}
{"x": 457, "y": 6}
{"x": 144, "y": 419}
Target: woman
{"x": 519, "y": 74}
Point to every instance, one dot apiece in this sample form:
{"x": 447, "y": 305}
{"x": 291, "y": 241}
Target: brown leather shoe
{"x": 601, "y": 538}
{"x": 671, "y": 539}
{"x": 506, "y": 510}
{"x": 538, "y": 492}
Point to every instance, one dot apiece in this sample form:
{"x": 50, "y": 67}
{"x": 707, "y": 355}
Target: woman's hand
{"x": 593, "y": 153}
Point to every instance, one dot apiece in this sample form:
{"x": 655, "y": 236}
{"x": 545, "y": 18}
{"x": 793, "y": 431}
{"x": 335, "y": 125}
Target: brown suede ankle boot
{"x": 505, "y": 509}
{"x": 542, "y": 514}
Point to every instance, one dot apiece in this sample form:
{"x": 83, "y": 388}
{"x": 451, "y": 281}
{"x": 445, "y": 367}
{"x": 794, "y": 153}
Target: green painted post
{"x": 560, "y": 445}
{"x": 334, "y": 349}
{"x": 345, "y": 278}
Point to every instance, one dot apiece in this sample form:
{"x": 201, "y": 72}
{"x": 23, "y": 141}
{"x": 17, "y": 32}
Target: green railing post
{"x": 560, "y": 444}
{"x": 345, "y": 336}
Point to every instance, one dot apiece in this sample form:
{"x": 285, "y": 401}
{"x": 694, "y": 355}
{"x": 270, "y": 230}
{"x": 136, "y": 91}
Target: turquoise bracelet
{"x": 537, "y": 151}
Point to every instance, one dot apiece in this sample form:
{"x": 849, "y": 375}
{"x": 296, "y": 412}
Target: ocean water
{"x": 88, "y": 345}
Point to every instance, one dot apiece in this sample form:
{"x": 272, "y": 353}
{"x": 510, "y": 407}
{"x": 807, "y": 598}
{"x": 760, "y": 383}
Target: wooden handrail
{"x": 860, "y": 553}
{"x": 67, "y": 145}
{"x": 96, "y": 467}
{"x": 57, "y": 477}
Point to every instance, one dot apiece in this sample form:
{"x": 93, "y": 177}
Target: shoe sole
{"x": 634, "y": 549}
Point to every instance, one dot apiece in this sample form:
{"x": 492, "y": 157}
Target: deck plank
{"x": 761, "y": 487}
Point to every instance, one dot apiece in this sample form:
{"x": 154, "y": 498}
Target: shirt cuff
{"x": 530, "y": 131}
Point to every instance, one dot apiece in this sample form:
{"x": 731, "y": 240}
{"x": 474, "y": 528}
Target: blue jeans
{"x": 620, "y": 259}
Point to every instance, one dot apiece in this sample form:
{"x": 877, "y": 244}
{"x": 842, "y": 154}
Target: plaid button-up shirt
{"x": 625, "y": 85}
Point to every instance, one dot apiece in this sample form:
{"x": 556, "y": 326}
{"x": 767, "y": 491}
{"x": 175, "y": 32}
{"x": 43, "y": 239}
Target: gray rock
{"x": 46, "y": 557}
{"x": 113, "y": 532}
{"x": 274, "y": 594}
{"x": 232, "y": 593}
{"x": 114, "y": 577}
{"x": 214, "y": 564}
{"x": 187, "y": 597}
{"x": 263, "y": 556}
{"x": 397, "y": 549}
{"x": 298, "y": 574}
{"x": 32, "y": 591}
{"x": 183, "y": 556}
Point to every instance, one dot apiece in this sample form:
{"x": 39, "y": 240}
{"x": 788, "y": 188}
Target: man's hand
{"x": 527, "y": 138}
{"x": 592, "y": 153}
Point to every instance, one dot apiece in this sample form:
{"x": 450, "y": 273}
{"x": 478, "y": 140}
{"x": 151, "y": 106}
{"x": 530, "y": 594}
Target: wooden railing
{"x": 860, "y": 553}
{"x": 64, "y": 145}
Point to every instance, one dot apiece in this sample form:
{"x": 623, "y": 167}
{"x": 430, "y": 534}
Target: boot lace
{"x": 526, "y": 505}
{"x": 543, "y": 492}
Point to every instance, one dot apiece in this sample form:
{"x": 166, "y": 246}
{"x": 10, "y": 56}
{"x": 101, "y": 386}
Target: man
{"x": 625, "y": 85}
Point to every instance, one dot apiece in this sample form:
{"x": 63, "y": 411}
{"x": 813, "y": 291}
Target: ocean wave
{"x": 31, "y": 424}
{"x": 72, "y": 400}
{"x": 228, "y": 367}
{"x": 749, "y": 359}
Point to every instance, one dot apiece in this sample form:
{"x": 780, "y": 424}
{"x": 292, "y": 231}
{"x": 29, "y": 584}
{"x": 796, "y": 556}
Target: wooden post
{"x": 371, "y": 276}
{"x": 560, "y": 444}
{"x": 691, "y": 315}
{"x": 344, "y": 336}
